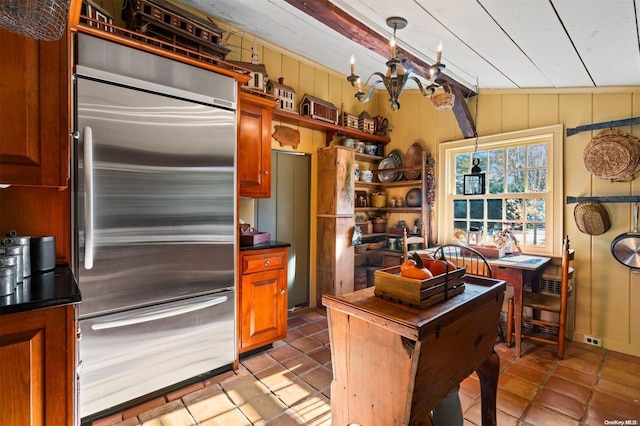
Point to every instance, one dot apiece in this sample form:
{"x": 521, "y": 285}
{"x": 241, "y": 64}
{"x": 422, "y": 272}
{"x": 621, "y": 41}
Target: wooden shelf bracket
{"x": 610, "y": 199}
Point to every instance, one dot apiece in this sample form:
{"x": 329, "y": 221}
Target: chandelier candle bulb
{"x": 439, "y": 53}
{"x": 353, "y": 65}
{"x": 393, "y": 48}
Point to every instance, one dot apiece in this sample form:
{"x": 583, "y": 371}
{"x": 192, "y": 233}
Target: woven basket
{"x": 614, "y": 155}
{"x": 360, "y": 248}
{"x": 443, "y": 100}
{"x": 591, "y": 217}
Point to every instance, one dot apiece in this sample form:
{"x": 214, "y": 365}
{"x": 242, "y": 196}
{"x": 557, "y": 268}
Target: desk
{"x": 392, "y": 364}
{"x": 514, "y": 270}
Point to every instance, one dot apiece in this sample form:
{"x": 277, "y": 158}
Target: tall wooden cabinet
{"x": 254, "y": 145}
{"x": 263, "y": 297}
{"x": 37, "y": 377}
{"x": 34, "y": 111}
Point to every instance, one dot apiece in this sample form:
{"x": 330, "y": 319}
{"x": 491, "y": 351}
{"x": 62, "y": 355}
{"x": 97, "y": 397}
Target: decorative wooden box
{"x": 252, "y": 237}
{"x": 489, "y": 252}
{"x": 418, "y": 293}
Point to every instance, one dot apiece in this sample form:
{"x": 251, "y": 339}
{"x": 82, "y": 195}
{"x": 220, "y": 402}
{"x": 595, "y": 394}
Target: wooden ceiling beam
{"x": 338, "y": 20}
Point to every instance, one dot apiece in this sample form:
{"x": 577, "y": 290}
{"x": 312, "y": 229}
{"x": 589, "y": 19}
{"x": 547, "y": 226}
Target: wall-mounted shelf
{"x": 330, "y": 129}
{"x": 610, "y": 199}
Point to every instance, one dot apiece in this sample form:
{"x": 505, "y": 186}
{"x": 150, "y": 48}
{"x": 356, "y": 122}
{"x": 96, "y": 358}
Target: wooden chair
{"x": 413, "y": 239}
{"x": 546, "y": 302}
{"x": 468, "y": 257}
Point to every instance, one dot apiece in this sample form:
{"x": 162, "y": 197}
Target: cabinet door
{"x": 254, "y": 146}
{"x": 263, "y": 308}
{"x": 37, "y": 378}
{"x": 34, "y": 111}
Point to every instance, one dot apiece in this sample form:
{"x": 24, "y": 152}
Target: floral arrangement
{"x": 505, "y": 238}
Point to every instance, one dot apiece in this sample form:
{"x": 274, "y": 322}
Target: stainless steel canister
{"x": 25, "y": 243}
{"x": 7, "y": 280}
{"x": 13, "y": 256}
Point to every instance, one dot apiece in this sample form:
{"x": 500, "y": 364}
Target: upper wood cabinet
{"x": 254, "y": 146}
{"x": 34, "y": 111}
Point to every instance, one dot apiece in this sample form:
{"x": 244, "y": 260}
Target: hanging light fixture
{"x": 474, "y": 182}
{"x": 396, "y": 76}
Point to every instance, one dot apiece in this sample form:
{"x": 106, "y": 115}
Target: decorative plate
{"x": 388, "y": 163}
{"x": 413, "y": 159}
{"x": 396, "y": 154}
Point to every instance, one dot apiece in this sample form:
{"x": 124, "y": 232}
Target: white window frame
{"x": 445, "y": 193}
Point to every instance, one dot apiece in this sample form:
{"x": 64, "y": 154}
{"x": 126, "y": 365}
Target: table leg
{"x": 488, "y": 373}
{"x": 517, "y": 309}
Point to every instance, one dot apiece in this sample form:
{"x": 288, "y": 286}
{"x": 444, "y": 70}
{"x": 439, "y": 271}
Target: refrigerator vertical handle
{"x": 88, "y": 197}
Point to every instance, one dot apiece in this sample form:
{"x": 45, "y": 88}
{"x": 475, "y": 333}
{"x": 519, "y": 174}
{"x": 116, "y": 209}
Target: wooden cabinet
{"x": 34, "y": 111}
{"x": 254, "y": 146}
{"x": 263, "y": 297}
{"x": 37, "y": 377}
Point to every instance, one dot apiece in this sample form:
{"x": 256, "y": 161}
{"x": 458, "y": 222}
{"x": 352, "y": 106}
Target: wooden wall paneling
{"x": 273, "y": 62}
{"x": 514, "y": 112}
{"x": 334, "y": 90}
{"x": 306, "y": 81}
{"x": 489, "y": 114}
{"x": 543, "y": 110}
{"x": 575, "y": 110}
{"x": 37, "y": 211}
{"x": 410, "y": 103}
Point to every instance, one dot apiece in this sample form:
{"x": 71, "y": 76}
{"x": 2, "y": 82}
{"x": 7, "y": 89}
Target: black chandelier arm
{"x": 426, "y": 91}
{"x": 360, "y": 95}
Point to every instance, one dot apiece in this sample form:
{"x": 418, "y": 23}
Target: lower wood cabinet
{"x": 37, "y": 367}
{"x": 262, "y": 297}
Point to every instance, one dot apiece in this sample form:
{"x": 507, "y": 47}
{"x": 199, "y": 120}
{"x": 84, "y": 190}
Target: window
{"x": 523, "y": 188}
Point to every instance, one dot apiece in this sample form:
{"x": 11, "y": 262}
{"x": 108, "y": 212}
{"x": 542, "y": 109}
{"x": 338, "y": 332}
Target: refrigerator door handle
{"x": 88, "y": 197}
{"x": 157, "y": 315}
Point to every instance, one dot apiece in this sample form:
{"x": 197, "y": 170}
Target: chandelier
{"x": 396, "y": 76}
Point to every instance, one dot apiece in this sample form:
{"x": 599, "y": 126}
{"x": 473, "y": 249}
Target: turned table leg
{"x": 488, "y": 374}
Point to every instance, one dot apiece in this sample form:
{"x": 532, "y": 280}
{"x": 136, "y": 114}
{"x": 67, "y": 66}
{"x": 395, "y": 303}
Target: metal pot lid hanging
{"x": 625, "y": 248}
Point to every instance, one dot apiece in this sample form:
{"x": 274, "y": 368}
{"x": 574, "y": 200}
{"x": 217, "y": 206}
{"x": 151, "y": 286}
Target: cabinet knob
{"x": 266, "y": 172}
{"x": 266, "y": 263}
{"x": 282, "y": 291}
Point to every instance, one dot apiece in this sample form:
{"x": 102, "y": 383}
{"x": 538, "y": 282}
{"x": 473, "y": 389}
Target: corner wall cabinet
{"x": 254, "y": 145}
{"x": 37, "y": 378}
{"x": 263, "y": 297}
{"x": 35, "y": 105}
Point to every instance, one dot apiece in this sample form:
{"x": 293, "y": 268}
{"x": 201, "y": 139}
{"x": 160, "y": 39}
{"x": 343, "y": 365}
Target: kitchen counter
{"x": 53, "y": 288}
{"x": 267, "y": 245}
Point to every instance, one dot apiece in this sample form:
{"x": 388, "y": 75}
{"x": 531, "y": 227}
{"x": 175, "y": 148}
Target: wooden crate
{"x": 418, "y": 293}
{"x": 489, "y": 252}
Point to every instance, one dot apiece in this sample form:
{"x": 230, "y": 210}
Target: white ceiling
{"x": 496, "y": 43}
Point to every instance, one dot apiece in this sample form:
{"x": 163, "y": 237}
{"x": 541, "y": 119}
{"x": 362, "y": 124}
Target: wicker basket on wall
{"x": 443, "y": 100}
{"x": 613, "y": 155}
{"x": 591, "y": 217}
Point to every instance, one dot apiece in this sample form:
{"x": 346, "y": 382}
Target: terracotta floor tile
{"x": 526, "y": 373}
{"x": 473, "y": 416}
{"x": 219, "y": 378}
{"x": 300, "y": 364}
{"x": 622, "y": 408}
{"x": 306, "y": 344}
{"x": 511, "y": 404}
{"x": 294, "y": 322}
{"x": 314, "y": 410}
{"x": 168, "y": 408}
{"x": 580, "y": 377}
{"x": 623, "y": 357}
{"x": 154, "y": 403}
{"x": 592, "y": 354}
{"x": 617, "y": 390}
{"x": 285, "y": 420}
{"x": 174, "y": 417}
{"x": 322, "y": 337}
{"x": 258, "y": 362}
{"x": 470, "y": 387}
{"x": 319, "y": 378}
{"x": 561, "y": 403}
{"x": 293, "y": 335}
{"x": 627, "y": 366}
{"x": 310, "y": 329}
{"x": 262, "y": 409}
{"x": 620, "y": 376}
{"x": 184, "y": 391}
{"x": 294, "y": 392}
{"x": 209, "y": 406}
{"x": 539, "y": 415}
{"x": 311, "y": 315}
{"x": 283, "y": 353}
{"x": 232, "y": 417}
{"x": 113, "y": 419}
{"x": 541, "y": 364}
{"x": 596, "y": 416}
{"x": 580, "y": 364}
{"x": 517, "y": 386}
{"x": 275, "y": 377}
{"x": 564, "y": 387}
{"x": 241, "y": 391}
{"x": 321, "y": 356}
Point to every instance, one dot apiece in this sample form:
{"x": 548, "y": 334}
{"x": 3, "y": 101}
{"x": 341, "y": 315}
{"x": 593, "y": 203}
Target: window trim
{"x": 446, "y": 177}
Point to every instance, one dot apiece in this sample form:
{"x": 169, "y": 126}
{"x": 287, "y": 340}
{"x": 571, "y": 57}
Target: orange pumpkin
{"x": 439, "y": 267}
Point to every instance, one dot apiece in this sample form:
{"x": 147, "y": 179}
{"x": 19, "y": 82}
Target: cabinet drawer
{"x": 263, "y": 261}
{"x": 504, "y": 273}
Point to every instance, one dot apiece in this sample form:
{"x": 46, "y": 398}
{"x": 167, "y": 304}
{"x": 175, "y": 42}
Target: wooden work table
{"x": 392, "y": 364}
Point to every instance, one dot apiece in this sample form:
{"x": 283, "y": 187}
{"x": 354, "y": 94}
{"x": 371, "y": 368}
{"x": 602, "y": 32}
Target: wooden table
{"x": 515, "y": 270}
{"x": 392, "y": 364}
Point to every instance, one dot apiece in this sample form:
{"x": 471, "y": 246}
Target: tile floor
{"x": 289, "y": 385}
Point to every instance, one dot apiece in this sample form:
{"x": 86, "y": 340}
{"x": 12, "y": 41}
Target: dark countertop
{"x": 42, "y": 290}
{"x": 268, "y": 245}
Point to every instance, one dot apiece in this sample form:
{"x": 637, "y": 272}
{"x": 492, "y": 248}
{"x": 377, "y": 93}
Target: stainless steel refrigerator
{"x": 154, "y": 203}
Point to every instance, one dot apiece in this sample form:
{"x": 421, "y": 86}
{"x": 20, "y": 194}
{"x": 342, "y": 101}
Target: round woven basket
{"x": 614, "y": 155}
{"x": 591, "y": 217}
{"x": 443, "y": 100}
